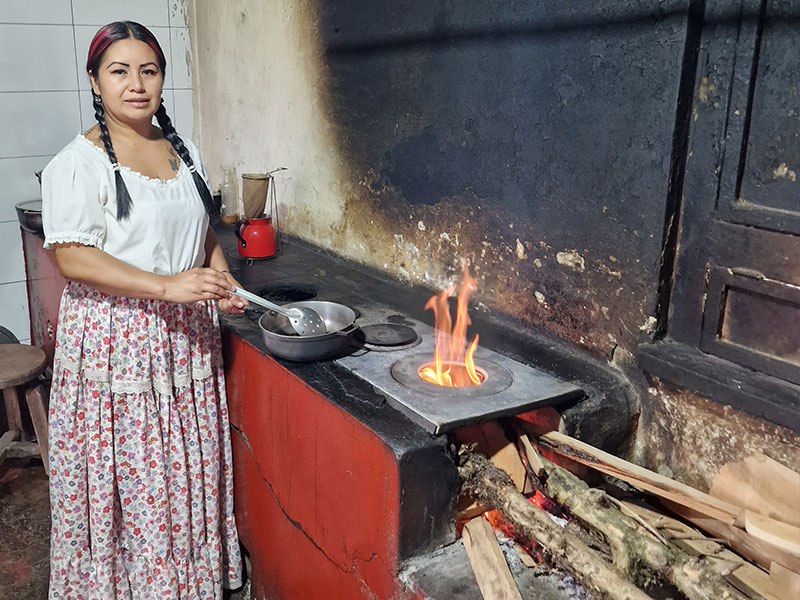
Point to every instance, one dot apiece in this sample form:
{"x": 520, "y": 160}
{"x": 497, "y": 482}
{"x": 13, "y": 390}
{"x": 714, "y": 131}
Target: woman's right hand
{"x": 201, "y": 283}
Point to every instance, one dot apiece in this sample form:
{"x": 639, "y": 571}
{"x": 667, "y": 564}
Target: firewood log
{"x": 494, "y": 487}
{"x": 636, "y": 552}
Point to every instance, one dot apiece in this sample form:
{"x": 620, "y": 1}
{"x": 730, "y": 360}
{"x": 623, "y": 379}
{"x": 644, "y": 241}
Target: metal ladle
{"x": 303, "y": 320}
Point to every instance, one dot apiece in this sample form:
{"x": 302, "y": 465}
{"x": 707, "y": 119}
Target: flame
{"x": 453, "y": 365}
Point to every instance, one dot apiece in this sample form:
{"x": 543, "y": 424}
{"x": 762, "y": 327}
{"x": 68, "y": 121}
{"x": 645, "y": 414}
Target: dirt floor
{"x": 25, "y": 534}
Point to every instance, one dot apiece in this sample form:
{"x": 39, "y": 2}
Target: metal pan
{"x": 282, "y": 341}
{"x": 29, "y": 214}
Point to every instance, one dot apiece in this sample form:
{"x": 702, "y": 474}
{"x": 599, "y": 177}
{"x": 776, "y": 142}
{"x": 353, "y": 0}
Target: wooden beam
{"x": 488, "y": 563}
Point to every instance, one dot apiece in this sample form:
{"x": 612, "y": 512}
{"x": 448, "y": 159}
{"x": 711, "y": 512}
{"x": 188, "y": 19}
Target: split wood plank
{"x": 784, "y": 536}
{"x": 488, "y": 563}
{"x": 640, "y": 477}
{"x": 534, "y": 460}
{"x": 786, "y": 579}
{"x": 524, "y": 557}
{"x": 762, "y": 485}
{"x": 759, "y": 585}
{"x": 754, "y": 549}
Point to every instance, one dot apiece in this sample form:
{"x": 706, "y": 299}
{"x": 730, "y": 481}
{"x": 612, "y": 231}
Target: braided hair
{"x": 177, "y": 143}
{"x": 105, "y": 36}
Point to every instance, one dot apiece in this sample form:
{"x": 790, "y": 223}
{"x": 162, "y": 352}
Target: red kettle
{"x": 257, "y": 237}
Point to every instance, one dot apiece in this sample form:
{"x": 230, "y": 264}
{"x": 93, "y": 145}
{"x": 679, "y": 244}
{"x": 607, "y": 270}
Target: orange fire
{"x": 453, "y": 364}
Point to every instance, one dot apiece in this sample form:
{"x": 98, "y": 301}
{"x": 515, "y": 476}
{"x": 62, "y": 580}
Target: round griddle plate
{"x": 388, "y": 334}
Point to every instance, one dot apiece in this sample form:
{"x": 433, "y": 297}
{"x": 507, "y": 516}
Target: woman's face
{"x": 129, "y": 81}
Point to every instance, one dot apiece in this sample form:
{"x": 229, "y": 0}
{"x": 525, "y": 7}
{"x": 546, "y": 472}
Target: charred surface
{"x": 536, "y": 144}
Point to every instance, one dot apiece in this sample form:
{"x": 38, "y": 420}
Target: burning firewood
{"x": 494, "y": 487}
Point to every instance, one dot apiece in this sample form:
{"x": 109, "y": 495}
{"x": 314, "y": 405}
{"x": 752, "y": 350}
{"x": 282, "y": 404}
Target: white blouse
{"x": 165, "y": 231}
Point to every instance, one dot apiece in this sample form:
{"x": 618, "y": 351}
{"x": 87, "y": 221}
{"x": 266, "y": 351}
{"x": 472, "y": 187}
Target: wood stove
{"x": 508, "y": 387}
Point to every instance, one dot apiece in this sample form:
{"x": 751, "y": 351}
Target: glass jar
{"x": 230, "y": 198}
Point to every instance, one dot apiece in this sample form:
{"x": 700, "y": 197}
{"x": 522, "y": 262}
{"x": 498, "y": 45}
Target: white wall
{"x": 45, "y": 100}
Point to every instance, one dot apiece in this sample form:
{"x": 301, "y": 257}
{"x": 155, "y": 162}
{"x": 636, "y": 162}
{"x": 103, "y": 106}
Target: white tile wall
{"x": 18, "y": 183}
{"x": 182, "y": 116}
{"x": 99, "y": 12}
{"x": 37, "y": 57}
{"x": 11, "y": 251}
{"x": 45, "y": 101}
{"x": 37, "y": 123}
{"x": 35, "y": 11}
{"x": 14, "y": 303}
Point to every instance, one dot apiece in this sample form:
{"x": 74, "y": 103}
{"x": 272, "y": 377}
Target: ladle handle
{"x": 261, "y": 302}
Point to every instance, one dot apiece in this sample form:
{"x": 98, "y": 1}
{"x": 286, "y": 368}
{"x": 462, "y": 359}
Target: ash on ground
{"x": 446, "y": 574}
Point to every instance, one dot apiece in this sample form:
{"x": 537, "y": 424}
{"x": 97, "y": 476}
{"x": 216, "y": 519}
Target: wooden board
{"x": 488, "y": 563}
{"x": 640, "y": 477}
{"x": 786, "y": 537}
{"x": 786, "y": 579}
{"x": 757, "y": 584}
{"x": 762, "y": 485}
{"x": 534, "y": 460}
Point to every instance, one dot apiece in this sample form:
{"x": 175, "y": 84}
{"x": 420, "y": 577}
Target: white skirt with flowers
{"x": 141, "y": 484}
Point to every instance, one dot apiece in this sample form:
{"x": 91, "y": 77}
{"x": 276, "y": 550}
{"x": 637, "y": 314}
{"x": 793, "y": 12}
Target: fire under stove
{"x": 391, "y": 361}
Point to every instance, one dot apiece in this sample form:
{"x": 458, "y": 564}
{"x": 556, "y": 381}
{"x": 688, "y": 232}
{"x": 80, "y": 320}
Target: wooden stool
{"x": 19, "y": 365}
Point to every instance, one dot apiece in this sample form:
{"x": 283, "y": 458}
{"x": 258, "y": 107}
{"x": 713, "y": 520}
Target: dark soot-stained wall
{"x": 539, "y": 132}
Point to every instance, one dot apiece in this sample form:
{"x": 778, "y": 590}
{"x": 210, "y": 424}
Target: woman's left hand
{"x": 233, "y": 305}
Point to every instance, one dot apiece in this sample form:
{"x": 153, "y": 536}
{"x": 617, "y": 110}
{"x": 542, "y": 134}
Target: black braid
{"x": 123, "y": 197}
{"x": 177, "y": 143}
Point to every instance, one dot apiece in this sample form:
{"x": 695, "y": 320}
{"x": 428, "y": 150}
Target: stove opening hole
{"x": 282, "y": 294}
{"x": 452, "y": 374}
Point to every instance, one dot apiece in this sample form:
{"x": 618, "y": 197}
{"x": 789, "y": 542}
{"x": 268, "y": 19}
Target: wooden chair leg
{"x": 6, "y": 442}
{"x": 38, "y": 409}
{"x": 11, "y": 397}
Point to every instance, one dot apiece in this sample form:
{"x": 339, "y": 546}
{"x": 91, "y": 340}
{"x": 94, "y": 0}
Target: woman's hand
{"x": 201, "y": 283}
{"x": 215, "y": 259}
{"x": 232, "y": 305}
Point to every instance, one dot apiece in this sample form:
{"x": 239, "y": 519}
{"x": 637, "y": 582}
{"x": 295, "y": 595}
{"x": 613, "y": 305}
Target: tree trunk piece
{"x": 636, "y": 552}
{"x": 493, "y": 486}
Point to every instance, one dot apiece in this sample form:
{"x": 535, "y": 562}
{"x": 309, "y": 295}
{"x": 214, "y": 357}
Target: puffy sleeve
{"x": 73, "y": 197}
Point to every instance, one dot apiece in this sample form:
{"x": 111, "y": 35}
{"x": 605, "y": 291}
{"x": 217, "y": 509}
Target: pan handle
{"x": 347, "y": 330}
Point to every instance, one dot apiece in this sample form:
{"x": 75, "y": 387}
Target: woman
{"x": 140, "y": 483}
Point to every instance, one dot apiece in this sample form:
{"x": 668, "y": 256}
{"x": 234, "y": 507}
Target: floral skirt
{"x": 141, "y": 483}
